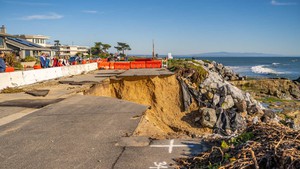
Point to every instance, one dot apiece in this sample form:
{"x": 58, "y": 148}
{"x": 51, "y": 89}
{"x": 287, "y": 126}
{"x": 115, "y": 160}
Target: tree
{"x": 57, "y": 47}
{"x": 100, "y": 48}
{"x": 97, "y": 49}
{"x": 122, "y": 47}
{"x": 105, "y": 47}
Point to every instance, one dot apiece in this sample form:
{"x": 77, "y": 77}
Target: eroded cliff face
{"x": 165, "y": 116}
{"x": 191, "y": 103}
{"x": 194, "y": 102}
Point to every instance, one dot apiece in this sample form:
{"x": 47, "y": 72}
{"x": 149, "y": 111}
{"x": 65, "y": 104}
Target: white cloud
{"x": 43, "y": 17}
{"x": 275, "y": 2}
{"x": 89, "y": 11}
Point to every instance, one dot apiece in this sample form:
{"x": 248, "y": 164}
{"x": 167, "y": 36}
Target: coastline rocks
{"x": 293, "y": 119}
{"x": 208, "y": 117}
{"x": 227, "y": 102}
{"x": 268, "y": 116}
{"x": 225, "y": 72}
{"x": 216, "y": 99}
{"x": 241, "y": 106}
{"x": 280, "y": 88}
{"x": 225, "y": 106}
{"x": 254, "y": 110}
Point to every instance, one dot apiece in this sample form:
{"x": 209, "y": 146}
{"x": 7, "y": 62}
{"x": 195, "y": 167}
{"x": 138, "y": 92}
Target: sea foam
{"x": 274, "y": 64}
{"x": 262, "y": 69}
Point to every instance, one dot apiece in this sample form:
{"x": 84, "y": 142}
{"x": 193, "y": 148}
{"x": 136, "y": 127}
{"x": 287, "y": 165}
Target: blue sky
{"x": 177, "y": 26}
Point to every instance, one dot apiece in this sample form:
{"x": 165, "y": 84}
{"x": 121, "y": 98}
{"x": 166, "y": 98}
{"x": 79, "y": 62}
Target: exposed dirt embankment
{"x": 165, "y": 117}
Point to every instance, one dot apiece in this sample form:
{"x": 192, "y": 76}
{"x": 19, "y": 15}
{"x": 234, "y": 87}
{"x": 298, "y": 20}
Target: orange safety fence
{"x": 138, "y": 65}
{"x": 103, "y": 65}
{"x": 129, "y": 65}
{"x": 111, "y": 65}
{"x": 153, "y": 64}
{"x": 142, "y": 59}
{"x": 122, "y": 65}
{"x": 9, "y": 69}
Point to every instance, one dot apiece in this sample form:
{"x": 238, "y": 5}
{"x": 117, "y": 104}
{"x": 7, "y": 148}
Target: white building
{"x": 37, "y": 39}
{"x": 71, "y": 50}
{"x": 63, "y": 50}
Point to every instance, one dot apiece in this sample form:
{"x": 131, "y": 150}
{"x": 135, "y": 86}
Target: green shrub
{"x": 244, "y": 137}
{"x": 10, "y": 59}
{"x": 18, "y": 66}
{"x": 224, "y": 145}
{"x": 177, "y": 64}
{"x": 29, "y": 59}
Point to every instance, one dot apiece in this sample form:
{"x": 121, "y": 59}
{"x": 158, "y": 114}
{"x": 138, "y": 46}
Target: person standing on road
{"x": 43, "y": 60}
{"x": 2, "y": 63}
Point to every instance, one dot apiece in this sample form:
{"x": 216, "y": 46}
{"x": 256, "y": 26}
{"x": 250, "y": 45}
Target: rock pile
{"x": 223, "y": 106}
{"x": 223, "y": 71}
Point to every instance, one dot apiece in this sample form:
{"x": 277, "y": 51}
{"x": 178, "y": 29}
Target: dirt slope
{"x": 165, "y": 117}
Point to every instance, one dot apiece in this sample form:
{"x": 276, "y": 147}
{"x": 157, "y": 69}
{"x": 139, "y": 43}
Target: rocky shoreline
{"x": 231, "y": 104}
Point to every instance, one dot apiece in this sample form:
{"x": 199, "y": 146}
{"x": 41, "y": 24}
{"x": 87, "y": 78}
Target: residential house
{"x": 37, "y": 39}
{"x": 20, "y": 47}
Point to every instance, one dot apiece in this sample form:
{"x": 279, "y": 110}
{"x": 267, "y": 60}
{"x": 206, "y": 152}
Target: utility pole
{"x": 153, "y": 53}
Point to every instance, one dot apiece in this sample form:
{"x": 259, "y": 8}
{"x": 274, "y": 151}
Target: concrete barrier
{"x": 20, "y": 78}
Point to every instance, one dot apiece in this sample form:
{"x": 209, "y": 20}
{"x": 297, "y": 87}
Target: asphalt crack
{"x": 113, "y": 165}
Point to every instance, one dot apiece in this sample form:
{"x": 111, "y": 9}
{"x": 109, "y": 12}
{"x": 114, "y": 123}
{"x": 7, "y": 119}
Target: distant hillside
{"x": 232, "y": 54}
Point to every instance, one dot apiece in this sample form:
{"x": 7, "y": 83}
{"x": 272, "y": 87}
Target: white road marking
{"x": 160, "y": 165}
{"x": 171, "y": 145}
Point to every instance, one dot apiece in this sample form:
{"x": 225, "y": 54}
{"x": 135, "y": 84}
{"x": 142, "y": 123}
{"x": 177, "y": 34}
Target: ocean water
{"x": 262, "y": 67}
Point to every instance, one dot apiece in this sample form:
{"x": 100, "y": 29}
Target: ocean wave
{"x": 275, "y": 64}
{"x": 262, "y": 69}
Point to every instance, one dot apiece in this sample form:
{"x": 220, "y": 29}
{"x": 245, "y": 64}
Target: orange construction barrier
{"x": 111, "y": 65}
{"x": 138, "y": 65}
{"x": 153, "y": 64}
{"x": 83, "y": 61}
{"x": 37, "y": 67}
{"x": 9, "y": 69}
{"x": 142, "y": 59}
{"x": 122, "y": 65}
{"x": 103, "y": 65}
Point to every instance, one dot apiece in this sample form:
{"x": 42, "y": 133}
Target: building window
{"x": 1, "y": 42}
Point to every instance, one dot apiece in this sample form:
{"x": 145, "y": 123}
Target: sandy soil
{"x": 165, "y": 117}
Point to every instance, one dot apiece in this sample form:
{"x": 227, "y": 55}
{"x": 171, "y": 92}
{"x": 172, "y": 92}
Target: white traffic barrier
{"x": 16, "y": 79}
{"x": 20, "y": 78}
{"x": 4, "y": 80}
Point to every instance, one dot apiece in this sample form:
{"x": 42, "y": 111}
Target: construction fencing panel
{"x": 153, "y": 64}
{"x": 138, "y": 65}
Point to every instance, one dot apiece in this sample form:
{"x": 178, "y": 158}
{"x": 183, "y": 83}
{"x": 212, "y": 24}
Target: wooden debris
{"x": 272, "y": 146}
